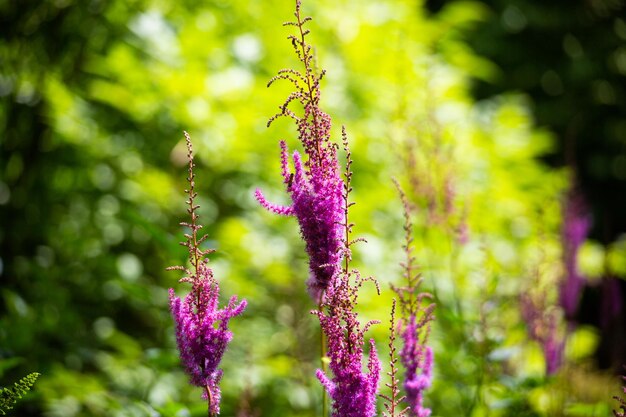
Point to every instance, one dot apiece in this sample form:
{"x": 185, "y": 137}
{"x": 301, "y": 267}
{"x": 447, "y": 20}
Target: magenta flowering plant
{"x": 543, "y": 318}
{"x": 315, "y": 185}
{"x": 202, "y": 333}
{"x": 544, "y": 309}
{"x": 416, "y": 316}
{"x": 574, "y": 231}
{"x": 319, "y": 198}
{"x": 352, "y": 391}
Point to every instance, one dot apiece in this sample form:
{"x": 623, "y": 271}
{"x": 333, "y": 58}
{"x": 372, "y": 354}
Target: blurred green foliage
{"x": 570, "y": 60}
{"x": 94, "y": 96}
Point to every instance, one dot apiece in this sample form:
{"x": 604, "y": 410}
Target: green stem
{"x": 324, "y": 369}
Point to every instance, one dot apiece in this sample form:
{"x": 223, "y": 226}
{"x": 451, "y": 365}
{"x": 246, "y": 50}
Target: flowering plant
{"x": 202, "y": 333}
{"x": 320, "y": 203}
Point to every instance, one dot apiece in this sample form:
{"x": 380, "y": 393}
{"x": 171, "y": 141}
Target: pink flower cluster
{"x": 353, "y": 392}
{"x": 202, "y": 333}
{"x": 316, "y": 190}
{"x": 417, "y": 360}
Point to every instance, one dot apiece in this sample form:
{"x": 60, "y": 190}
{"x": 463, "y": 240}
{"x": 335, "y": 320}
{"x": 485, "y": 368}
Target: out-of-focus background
{"x": 497, "y": 117}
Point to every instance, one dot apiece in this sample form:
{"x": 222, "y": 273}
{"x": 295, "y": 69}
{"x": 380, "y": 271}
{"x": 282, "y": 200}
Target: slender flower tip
{"x": 174, "y": 301}
{"x": 328, "y": 385}
{"x": 274, "y": 208}
{"x": 374, "y": 365}
{"x": 235, "y": 309}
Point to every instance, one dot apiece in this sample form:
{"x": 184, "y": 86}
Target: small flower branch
{"x": 192, "y": 242}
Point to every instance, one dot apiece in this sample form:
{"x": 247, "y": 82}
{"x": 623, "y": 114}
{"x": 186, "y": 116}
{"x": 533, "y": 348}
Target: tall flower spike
{"x": 202, "y": 333}
{"x": 576, "y": 224}
{"x": 320, "y": 203}
{"x": 315, "y": 186}
{"x": 542, "y": 322}
{"x": 416, "y": 357}
{"x": 352, "y": 391}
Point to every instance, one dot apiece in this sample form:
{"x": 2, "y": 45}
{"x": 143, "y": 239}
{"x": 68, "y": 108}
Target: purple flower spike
{"x": 353, "y": 392}
{"x": 319, "y": 201}
{"x": 315, "y": 185}
{"x": 316, "y": 191}
{"x": 201, "y": 344}
{"x": 418, "y": 363}
{"x": 202, "y": 334}
{"x": 576, "y": 224}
